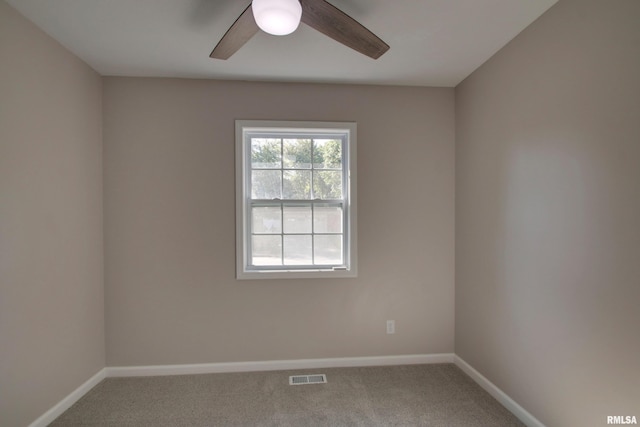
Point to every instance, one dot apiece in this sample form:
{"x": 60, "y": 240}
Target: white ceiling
{"x": 433, "y": 42}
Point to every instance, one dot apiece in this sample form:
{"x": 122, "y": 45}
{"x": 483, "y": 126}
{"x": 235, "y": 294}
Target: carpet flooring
{"x": 410, "y": 395}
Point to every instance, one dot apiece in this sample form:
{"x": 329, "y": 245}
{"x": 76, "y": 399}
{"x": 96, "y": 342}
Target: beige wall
{"x": 171, "y": 293}
{"x": 547, "y": 210}
{"x": 51, "y": 275}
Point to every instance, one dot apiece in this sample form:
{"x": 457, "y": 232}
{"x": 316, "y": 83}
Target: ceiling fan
{"x": 281, "y": 17}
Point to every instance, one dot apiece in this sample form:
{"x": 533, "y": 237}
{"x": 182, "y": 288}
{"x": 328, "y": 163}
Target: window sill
{"x": 296, "y": 274}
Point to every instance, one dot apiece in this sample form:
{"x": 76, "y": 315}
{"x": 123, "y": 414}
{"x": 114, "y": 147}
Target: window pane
{"x": 327, "y": 249}
{"x": 297, "y": 185}
{"x": 297, "y": 154}
{"x": 265, "y": 153}
{"x": 266, "y": 250}
{"x": 297, "y": 250}
{"x": 267, "y": 220}
{"x": 297, "y": 219}
{"x": 266, "y": 184}
{"x": 327, "y": 184}
{"x": 327, "y": 154}
{"x": 327, "y": 219}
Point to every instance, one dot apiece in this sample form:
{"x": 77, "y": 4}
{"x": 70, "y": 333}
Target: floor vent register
{"x": 307, "y": 379}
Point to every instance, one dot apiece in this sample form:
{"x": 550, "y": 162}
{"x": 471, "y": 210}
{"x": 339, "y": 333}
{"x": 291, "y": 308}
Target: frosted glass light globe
{"x": 277, "y": 17}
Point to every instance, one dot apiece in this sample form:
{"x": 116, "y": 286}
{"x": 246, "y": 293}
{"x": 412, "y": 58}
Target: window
{"x": 296, "y": 199}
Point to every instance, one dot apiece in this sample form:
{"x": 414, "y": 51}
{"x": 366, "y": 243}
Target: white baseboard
{"x": 498, "y": 394}
{"x": 57, "y": 410}
{"x": 276, "y": 365}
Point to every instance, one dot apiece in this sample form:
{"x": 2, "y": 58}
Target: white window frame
{"x": 246, "y": 271}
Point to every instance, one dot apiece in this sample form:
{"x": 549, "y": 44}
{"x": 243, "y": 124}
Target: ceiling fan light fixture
{"x": 277, "y": 17}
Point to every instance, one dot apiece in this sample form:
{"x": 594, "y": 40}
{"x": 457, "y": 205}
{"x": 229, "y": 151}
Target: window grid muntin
{"x": 343, "y": 204}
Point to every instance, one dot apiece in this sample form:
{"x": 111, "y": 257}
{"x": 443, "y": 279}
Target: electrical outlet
{"x": 391, "y": 326}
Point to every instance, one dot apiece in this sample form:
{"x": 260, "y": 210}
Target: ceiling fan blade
{"x": 240, "y": 32}
{"x": 336, "y": 24}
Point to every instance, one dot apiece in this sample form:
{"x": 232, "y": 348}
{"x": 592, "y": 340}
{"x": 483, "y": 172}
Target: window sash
{"x": 250, "y": 202}
{"x": 281, "y": 205}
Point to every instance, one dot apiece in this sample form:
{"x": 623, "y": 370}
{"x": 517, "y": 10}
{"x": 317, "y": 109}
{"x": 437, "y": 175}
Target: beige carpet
{"x": 414, "y": 395}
